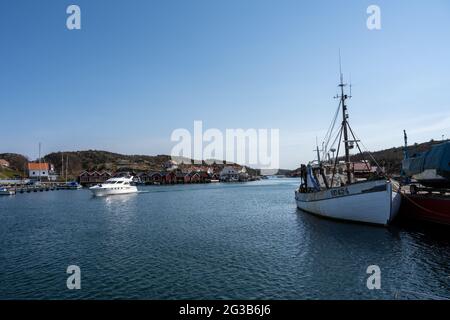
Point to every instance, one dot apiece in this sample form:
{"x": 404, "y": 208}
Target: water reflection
{"x": 339, "y": 253}
{"x": 208, "y": 241}
{"x": 119, "y": 211}
{"x": 118, "y": 199}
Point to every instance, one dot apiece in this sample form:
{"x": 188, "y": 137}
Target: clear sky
{"x": 137, "y": 70}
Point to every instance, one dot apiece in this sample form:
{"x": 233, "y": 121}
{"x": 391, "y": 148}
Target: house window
{"x": 34, "y": 173}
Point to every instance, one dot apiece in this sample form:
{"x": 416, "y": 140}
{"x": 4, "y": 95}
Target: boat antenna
{"x": 350, "y": 84}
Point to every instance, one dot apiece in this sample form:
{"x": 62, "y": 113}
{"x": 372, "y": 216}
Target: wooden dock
{"x": 28, "y": 188}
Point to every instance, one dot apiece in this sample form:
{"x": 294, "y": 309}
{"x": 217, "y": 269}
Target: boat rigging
{"x": 374, "y": 199}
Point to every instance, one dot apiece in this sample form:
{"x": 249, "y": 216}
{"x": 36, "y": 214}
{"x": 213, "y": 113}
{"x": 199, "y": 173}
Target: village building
{"x": 170, "y": 165}
{"x": 183, "y": 177}
{"x": 142, "y": 177}
{"x": 93, "y": 177}
{"x": 4, "y": 163}
{"x": 156, "y": 177}
{"x": 204, "y": 176}
{"x": 194, "y": 177}
{"x": 150, "y": 177}
{"x": 215, "y": 176}
{"x": 38, "y": 170}
{"x": 52, "y": 174}
{"x": 229, "y": 173}
{"x": 169, "y": 177}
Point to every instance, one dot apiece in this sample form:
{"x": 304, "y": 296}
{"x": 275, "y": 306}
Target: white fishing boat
{"x": 119, "y": 185}
{"x": 330, "y": 189}
{"x": 375, "y": 202}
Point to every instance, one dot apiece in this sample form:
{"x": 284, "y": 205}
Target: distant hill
{"x": 103, "y": 160}
{"x": 390, "y": 159}
{"x": 17, "y": 165}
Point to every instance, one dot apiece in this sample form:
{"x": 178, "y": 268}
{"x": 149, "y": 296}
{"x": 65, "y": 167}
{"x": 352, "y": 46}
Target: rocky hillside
{"x": 17, "y": 165}
{"x": 103, "y": 160}
{"x": 114, "y": 162}
{"x": 390, "y": 159}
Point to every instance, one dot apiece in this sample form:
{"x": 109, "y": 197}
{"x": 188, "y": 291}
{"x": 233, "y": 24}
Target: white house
{"x": 170, "y": 165}
{"x": 229, "y": 174}
{"x": 36, "y": 170}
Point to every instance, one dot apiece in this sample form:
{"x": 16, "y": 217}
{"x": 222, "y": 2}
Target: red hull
{"x": 433, "y": 208}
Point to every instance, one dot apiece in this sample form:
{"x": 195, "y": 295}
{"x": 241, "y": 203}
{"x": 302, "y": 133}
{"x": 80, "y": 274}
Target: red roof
{"x": 37, "y": 166}
{"x": 361, "y": 166}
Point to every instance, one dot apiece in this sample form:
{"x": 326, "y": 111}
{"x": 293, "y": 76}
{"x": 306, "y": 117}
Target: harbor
{"x": 259, "y": 153}
{"x": 160, "y": 244}
{"x": 413, "y": 201}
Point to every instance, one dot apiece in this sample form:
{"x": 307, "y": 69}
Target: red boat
{"x": 429, "y": 199}
{"x": 426, "y": 205}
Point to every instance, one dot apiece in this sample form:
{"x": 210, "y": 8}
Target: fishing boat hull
{"x": 373, "y": 202}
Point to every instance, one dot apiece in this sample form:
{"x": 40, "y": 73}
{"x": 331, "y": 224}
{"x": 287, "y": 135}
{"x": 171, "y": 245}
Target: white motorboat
{"x": 7, "y": 192}
{"x": 330, "y": 189}
{"x": 73, "y": 185}
{"x": 119, "y": 185}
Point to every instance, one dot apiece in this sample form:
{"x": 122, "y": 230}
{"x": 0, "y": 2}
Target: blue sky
{"x": 137, "y": 70}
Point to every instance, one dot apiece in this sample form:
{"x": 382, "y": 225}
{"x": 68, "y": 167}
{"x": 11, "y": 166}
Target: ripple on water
{"x": 216, "y": 241}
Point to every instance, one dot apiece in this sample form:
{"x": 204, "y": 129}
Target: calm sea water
{"x": 216, "y": 241}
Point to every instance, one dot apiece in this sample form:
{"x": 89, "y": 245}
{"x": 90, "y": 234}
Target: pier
{"x": 42, "y": 187}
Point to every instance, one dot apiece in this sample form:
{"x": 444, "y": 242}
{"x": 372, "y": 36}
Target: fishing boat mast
{"x": 343, "y": 134}
{"x": 343, "y": 98}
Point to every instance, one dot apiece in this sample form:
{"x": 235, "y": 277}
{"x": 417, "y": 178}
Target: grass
{"x": 7, "y": 173}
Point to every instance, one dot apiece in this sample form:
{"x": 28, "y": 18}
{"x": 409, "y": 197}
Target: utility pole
{"x": 62, "y": 165}
{"x": 39, "y": 171}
